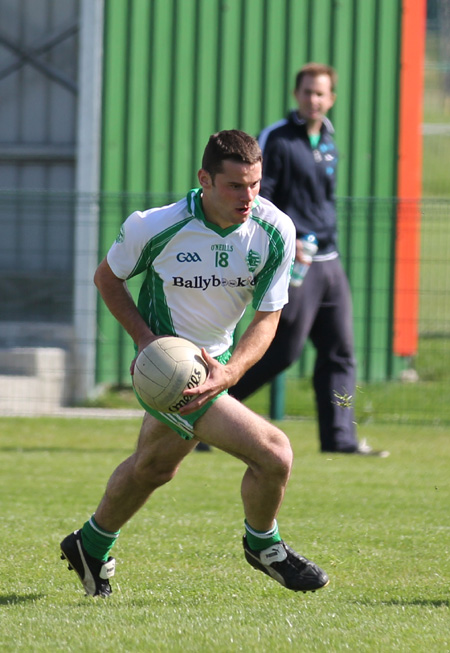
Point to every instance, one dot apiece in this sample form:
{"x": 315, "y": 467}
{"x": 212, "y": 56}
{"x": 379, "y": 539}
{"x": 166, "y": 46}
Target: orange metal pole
{"x": 409, "y": 189}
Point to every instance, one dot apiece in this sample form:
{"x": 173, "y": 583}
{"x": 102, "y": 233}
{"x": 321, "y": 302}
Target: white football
{"x": 163, "y": 371}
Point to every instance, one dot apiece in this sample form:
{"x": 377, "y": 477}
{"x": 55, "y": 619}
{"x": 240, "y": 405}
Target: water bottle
{"x": 299, "y": 270}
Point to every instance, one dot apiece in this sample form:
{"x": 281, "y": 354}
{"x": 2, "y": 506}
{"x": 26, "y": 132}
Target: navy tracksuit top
{"x": 301, "y": 180}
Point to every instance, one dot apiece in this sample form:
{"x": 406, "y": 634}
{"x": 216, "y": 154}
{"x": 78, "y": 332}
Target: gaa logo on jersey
{"x": 188, "y": 257}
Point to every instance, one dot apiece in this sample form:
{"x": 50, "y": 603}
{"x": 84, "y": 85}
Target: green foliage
{"x": 378, "y": 526}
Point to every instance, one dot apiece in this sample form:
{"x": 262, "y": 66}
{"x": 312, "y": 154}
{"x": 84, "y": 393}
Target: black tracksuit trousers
{"x": 321, "y": 309}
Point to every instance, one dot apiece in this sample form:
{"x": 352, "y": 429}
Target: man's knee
{"x": 279, "y": 457}
{"x": 154, "y": 473}
{"x": 158, "y": 454}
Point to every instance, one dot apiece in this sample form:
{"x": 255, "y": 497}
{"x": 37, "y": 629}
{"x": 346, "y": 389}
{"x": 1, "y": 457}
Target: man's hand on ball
{"x": 216, "y": 381}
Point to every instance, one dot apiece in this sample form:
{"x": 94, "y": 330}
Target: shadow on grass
{"x": 64, "y": 450}
{"x": 15, "y": 599}
{"x": 425, "y": 603}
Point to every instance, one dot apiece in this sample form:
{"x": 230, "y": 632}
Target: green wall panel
{"x": 137, "y": 91}
{"x": 298, "y": 51}
{"x": 204, "y": 91}
{"x": 162, "y": 93}
{"x": 320, "y": 30}
{"x": 181, "y": 88}
{"x": 176, "y": 71}
{"x": 114, "y": 94}
{"x": 386, "y": 93}
{"x": 274, "y": 56}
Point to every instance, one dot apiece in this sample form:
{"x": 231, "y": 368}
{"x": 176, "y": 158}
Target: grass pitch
{"x": 379, "y": 527}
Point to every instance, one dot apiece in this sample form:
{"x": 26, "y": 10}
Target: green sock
{"x": 97, "y": 542}
{"x": 259, "y": 540}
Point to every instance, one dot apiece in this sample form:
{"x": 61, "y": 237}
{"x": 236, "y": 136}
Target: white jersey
{"x": 200, "y": 278}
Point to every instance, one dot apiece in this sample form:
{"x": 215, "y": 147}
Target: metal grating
{"x": 38, "y": 90}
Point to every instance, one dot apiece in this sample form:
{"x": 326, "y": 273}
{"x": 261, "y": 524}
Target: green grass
{"x": 379, "y": 528}
{"x": 434, "y": 299}
{"x": 436, "y": 159}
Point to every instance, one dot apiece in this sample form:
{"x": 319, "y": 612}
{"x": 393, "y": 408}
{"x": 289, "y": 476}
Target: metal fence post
{"x": 277, "y": 396}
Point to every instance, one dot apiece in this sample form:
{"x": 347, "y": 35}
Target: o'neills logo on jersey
{"x": 203, "y": 283}
{"x": 222, "y": 248}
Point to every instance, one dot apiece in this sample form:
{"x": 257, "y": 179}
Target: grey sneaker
{"x": 364, "y": 449}
{"x": 287, "y": 567}
{"x": 93, "y": 573}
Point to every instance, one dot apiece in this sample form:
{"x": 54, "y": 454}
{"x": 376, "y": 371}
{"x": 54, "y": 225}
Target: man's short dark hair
{"x": 230, "y": 144}
{"x": 314, "y": 69}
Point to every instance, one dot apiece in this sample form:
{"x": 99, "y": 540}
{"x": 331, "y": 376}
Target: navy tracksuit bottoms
{"x": 321, "y": 309}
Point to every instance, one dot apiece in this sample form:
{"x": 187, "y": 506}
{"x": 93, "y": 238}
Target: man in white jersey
{"x": 205, "y": 259}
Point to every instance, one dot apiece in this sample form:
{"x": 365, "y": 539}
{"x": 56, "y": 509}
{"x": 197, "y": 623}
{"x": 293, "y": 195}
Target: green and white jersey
{"x": 200, "y": 278}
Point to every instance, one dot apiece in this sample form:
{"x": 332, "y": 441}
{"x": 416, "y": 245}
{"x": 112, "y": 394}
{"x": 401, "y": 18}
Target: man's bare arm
{"x": 120, "y": 303}
{"x": 253, "y": 343}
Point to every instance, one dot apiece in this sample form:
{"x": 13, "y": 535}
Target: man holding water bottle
{"x": 299, "y": 176}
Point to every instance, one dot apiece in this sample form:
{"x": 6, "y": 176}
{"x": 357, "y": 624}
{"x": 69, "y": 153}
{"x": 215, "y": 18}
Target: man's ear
{"x": 204, "y": 178}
